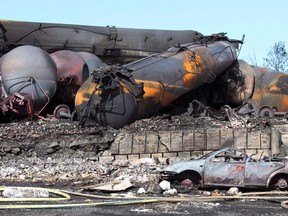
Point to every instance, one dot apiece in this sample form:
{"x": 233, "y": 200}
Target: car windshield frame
{"x": 208, "y": 155}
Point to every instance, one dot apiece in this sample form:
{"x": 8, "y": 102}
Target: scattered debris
{"x": 20, "y": 192}
{"x": 165, "y": 185}
{"x": 233, "y": 191}
{"x": 141, "y": 191}
{"x": 116, "y": 185}
{"x": 172, "y": 191}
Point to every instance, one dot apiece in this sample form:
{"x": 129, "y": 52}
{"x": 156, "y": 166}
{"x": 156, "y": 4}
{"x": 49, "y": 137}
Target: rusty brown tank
{"x": 118, "y": 96}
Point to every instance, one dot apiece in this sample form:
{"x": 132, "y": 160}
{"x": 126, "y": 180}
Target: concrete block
{"x": 276, "y": 141}
{"x": 134, "y": 159}
{"x": 169, "y": 154}
{"x": 254, "y": 140}
{"x": 240, "y": 138}
{"x": 138, "y": 145}
{"x": 188, "y": 140}
{"x": 125, "y": 144}
{"x": 226, "y": 137}
{"x": 164, "y": 141}
{"x": 184, "y": 155}
{"x": 213, "y": 139}
{"x": 145, "y": 155}
{"x": 158, "y": 155}
{"x": 106, "y": 159}
{"x": 151, "y": 145}
{"x": 266, "y": 140}
{"x": 176, "y": 141}
{"x": 114, "y": 148}
{"x": 121, "y": 157}
{"x": 133, "y": 156}
{"x": 200, "y": 140}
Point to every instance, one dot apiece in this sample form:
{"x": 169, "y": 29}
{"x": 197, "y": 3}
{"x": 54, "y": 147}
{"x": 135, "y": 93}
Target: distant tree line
{"x": 277, "y": 58}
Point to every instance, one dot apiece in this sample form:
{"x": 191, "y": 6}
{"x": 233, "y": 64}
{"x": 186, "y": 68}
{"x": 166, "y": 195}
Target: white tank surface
{"x": 29, "y": 70}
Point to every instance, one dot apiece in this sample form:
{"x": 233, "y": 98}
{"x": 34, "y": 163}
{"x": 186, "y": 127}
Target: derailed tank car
{"x": 28, "y": 81}
{"x": 266, "y": 91}
{"x": 73, "y": 48}
{"x": 119, "y": 96}
{"x": 110, "y": 44}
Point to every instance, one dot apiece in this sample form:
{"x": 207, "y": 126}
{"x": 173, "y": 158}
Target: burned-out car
{"x": 229, "y": 167}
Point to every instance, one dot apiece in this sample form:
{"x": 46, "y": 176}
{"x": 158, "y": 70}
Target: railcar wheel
{"x": 265, "y": 111}
{"x": 62, "y": 111}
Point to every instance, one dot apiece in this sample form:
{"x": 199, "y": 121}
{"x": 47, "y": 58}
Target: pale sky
{"x": 264, "y": 22}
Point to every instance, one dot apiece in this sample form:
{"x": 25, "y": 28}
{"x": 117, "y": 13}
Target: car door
{"x": 258, "y": 172}
{"x": 224, "y": 169}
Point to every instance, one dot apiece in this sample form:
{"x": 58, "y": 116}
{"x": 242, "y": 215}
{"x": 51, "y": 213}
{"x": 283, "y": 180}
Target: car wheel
{"x": 189, "y": 179}
{"x": 187, "y": 183}
{"x": 282, "y": 183}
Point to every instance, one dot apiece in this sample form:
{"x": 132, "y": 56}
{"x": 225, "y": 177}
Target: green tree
{"x": 277, "y": 57}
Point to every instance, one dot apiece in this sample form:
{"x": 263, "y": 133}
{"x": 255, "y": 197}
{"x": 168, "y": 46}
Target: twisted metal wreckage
{"x": 60, "y": 67}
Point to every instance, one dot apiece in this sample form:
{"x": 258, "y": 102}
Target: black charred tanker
{"x": 110, "y": 44}
{"x": 116, "y": 96}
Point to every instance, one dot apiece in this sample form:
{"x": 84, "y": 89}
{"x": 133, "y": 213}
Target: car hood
{"x": 181, "y": 166}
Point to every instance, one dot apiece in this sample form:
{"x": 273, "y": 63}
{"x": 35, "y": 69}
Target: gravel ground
{"x": 60, "y": 154}
{"x": 60, "y": 151}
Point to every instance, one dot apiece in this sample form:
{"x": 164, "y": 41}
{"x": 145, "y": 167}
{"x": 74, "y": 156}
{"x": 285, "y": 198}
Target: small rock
{"x": 50, "y": 150}
{"x": 7, "y": 149}
{"x": 154, "y": 188}
{"x": 233, "y": 191}
{"x": 165, "y": 185}
{"x": 170, "y": 192}
{"x": 54, "y": 144}
{"x": 22, "y": 177}
{"x": 16, "y": 151}
{"x": 206, "y": 193}
{"x": 141, "y": 191}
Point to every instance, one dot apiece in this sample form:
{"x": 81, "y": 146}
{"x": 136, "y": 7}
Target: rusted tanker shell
{"x": 70, "y": 65}
{"x": 29, "y": 70}
{"x": 91, "y": 60}
{"x": 169, "y": 75}
{"x": 73, "y": 69}
{"x": 241, "y": 91}
{"x": 271, "y": 89}
{"x": 161, "y": 78}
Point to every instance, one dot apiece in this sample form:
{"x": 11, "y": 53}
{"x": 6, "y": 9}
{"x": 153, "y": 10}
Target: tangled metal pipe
{"x": 116, "y": 96}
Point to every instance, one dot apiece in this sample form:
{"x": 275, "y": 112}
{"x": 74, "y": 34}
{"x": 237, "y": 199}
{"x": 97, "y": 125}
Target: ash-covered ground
{"x": 62, "y": 154}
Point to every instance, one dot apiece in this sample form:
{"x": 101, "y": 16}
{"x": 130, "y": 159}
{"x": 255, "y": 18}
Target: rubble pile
{"x": 62, "y": 137}
{"x": 184, "y": 121}
{"x": 71, "y": 171}
{"x": 43, "y": 138}
{"x": 61, "y": 151}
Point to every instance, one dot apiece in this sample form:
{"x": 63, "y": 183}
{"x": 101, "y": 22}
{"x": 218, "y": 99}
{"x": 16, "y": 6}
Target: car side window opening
{"x": 229, "y": 157}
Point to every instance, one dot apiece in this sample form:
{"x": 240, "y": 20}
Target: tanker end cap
{"x": 109, "y": 97}
{"x": 29, "y": 70}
